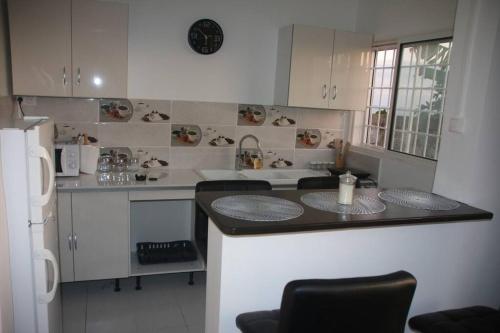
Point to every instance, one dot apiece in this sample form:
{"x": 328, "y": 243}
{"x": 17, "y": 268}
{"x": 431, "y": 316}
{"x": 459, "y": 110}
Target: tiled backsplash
{"x": 194, "y": 135}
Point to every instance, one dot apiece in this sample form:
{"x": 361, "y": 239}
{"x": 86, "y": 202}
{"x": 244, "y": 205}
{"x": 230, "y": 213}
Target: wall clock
{"x": 205, "y": 36}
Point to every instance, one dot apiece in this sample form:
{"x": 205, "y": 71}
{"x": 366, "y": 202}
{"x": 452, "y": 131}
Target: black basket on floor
{"x": 164, "y": 252}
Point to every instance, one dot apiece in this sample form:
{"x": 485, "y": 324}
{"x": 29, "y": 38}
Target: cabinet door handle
{"x": 75, "y": 242}
{"x": 324, "y": 91}
{"x": 64, "y": 75}
{"x": 78, "y": 76}
{"x": 70, "y": 242}
{"x": 334, "y": 92}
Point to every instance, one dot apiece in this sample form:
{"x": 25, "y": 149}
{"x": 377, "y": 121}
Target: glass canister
{"x": 104, "y": 163}
{"x": 346, "y": 189}
{"x": 133, "y": 163}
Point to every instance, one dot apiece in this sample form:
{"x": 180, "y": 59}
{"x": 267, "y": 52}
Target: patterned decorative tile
{"x": 186, "y": 135}
{"x": 115, "y": 110}
{"x": 205, "y": 113}
{"x": 317, "y": 138}
{"x": 279, "y": 158}
{"x": 251, "y": 115}
{"x": 309, "y": 138}
{"x": 152, "y": 158}
{"x": 280, "y": 116}
{"x": 218, "y": 136}
{"x": 151, "y": 111}
{"x": 69, "y": 131}
{"x": 328, "y": 136}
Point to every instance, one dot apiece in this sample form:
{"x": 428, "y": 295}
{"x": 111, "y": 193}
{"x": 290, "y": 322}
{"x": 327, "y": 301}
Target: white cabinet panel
{"x": 350, "y": 70}
{"x": 101, "y": 235}
{"x": 40, "y": 37}
{"x": 65, "y": 237}
{"x": 322, "y": 68}
{"x": 100, "y": 48}
{"x": 310, "y": 66}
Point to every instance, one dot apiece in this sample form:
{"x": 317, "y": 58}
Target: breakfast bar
{"x": 249, "y": 262}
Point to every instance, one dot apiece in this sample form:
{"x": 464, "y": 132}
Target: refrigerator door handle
{"x": 44, "y": 155}
{"x": 45, "y": 254}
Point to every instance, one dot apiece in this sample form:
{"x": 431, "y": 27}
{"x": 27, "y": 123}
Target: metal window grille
{"x": 380, "y": 96}
{"x": 420, "y": 93}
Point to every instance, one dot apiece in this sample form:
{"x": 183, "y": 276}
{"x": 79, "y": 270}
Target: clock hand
{"x": 204, "y": 35}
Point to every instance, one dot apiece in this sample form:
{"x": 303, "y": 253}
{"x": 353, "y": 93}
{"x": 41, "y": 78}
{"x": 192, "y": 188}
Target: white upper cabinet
{"x": 100, "y": 47}
{"x": 350, "y": 70}
{"x": 310, "y": 66}
{"x": 40, "y": 38}
{"x": 69, "y": 47}
{"x": 322, "y": 68}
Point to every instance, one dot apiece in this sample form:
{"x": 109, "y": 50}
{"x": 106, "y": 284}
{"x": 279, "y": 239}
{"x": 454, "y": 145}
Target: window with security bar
{"x": 380, "y": 96}
{"x": 420, "y": 93}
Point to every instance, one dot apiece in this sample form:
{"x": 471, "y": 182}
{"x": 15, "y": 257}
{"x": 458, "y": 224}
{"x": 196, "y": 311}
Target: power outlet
{"x": 29, "y": 100}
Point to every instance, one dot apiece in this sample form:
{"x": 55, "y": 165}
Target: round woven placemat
{"x": 257, "y": 208}
{"x": 417, "y": 199}
{"x": 327, "y": 201}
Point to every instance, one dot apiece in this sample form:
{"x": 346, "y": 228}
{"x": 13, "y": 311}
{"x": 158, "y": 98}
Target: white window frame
{"x": 411, "y": 132}
{"x": 367, "y": 126}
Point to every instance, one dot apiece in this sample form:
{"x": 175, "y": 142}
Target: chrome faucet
{"x": 241, "y": 156}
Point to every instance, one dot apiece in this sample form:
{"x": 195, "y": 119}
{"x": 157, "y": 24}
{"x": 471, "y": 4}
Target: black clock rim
{"x": 213, "y": 22}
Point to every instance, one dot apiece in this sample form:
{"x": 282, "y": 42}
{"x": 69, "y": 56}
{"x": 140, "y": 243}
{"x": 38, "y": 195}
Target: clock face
{"x": 205, "y": 36}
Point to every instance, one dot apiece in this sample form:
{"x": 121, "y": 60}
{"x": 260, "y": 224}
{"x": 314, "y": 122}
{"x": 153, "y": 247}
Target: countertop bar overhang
{"x": 314, "y": 219}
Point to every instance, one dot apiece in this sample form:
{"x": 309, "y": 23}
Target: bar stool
{"x": 376, "y": 304}
{"x": 318, "y": 183}
{"x": 474, "y": 319}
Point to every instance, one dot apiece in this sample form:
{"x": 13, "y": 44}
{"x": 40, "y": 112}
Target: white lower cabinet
{"x": 93, "y": 235}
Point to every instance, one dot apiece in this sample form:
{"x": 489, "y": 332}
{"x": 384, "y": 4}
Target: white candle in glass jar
{"x": 346, "y": 188}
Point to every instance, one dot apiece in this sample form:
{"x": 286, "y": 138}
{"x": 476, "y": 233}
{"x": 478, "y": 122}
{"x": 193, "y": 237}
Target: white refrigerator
{"x": 27, "y": 151}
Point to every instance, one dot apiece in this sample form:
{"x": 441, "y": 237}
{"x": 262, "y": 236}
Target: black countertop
{"x": 314, "y": 219}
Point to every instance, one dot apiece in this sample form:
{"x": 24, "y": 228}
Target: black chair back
{"x": 233, "y": 185}
{"x": 201, "y": 219}
{"x": 377, "y": 304}
{"x": 318, "y": 183}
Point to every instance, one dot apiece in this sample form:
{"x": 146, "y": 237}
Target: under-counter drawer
{"x": 161, "y": 195}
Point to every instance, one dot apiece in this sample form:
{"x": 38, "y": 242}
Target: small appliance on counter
{"x": 88, "y": 158}
{"x": 67, "y": 159}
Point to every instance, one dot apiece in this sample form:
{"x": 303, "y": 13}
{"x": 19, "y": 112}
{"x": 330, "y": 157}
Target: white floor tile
{"x": 178, "y": 329}
{"x": 196, "y": 329}
{"x": 165, "y": 304}
{"x": 74, "y": 306}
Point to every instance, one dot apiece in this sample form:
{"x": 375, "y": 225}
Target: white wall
{"x": 467, "y": 169}
{"x": 392, "y": 19}
{"x": 6, "y": 313}
{"x": 404, "y": 20}
{"x": 162, "y": 65}
{"x": 4, "y": 52}
{"x": 447, "y": 260}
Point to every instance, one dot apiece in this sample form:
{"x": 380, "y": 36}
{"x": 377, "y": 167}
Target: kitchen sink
{"x": 274, "y": 176}
{"x": 282, "y": 176}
